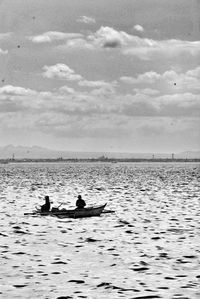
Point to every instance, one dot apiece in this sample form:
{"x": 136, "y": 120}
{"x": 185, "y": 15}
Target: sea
{"x": 148, "y": 248}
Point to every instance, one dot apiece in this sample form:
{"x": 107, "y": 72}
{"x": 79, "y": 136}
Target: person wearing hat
{"x": 80, "y": 203}
{"x": 47, "y": 205}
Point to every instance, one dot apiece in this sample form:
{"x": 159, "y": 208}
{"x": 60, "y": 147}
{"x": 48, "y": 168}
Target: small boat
{"x": 75, "y": 213}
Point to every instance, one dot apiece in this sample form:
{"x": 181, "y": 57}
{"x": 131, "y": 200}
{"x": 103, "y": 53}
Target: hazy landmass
{"x": 35, "y": 152}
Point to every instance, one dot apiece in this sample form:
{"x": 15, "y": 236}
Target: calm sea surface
{"x": 150, "y": 248}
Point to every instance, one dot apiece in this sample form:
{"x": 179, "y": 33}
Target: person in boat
{"x": 80, "y": 203}
{"x": 47, "y": 205}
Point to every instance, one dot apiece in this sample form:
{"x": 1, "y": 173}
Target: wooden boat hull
{"x": 76, "y": 213}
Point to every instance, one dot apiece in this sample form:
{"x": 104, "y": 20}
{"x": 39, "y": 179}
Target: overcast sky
{"x": 100, "y": 75}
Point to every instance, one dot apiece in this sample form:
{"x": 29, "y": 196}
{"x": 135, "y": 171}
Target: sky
{"x": 100, "y": 75}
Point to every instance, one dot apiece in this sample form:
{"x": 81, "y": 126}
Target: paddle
{"x": 108, "y": 211}
{"x": 60, "y": 205}
{"x": 33, "y": 213}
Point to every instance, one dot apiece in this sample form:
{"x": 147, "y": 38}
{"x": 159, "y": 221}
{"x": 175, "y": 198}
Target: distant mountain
{"x": 36, "y": 152}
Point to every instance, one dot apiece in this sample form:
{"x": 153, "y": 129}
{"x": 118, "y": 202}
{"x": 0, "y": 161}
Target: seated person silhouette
{"x": 47, "y": 205}
{"x": 80, "y": 203}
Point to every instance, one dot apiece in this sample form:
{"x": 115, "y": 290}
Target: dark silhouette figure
{"x": 80, "y": 203}
{"x": 47, "y": 205}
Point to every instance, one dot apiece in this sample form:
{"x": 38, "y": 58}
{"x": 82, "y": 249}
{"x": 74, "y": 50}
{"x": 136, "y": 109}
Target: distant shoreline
{"x": 109, "y": 160}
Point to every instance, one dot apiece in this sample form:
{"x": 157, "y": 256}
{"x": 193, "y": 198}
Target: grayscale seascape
{"x": 100, "y": 102}
{"x": 149, "y": 248}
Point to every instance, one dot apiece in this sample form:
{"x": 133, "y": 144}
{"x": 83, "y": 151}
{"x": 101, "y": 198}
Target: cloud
{"x": 100, "y": 112}
{"x": 5, "y": 36}
{"x": 16, "y": 90}
{"x": 96, "y": 84}
{"x": 147, "y": 91}
{"x": 183, "y": 81}
{"x": 176, "y": 105}
{"x": 3, "y": 52}
{"x": 186, "y": 103}
{"x": 107, "y": 37}
{"x": 146, "y": 78}
{"x": 77, "y": 43}
{"x": 147, "y": 49}
{"x": 66, "y": 89}
{"x": 132, "y": 45}
{"x": 139, "y": 28}
{"x": 86, "y": 20}
{"x": 60, "y": 71}
{"x": 13, "y": 98}
{"x": 51, "y": 36}
{"x": 170, "y": 81}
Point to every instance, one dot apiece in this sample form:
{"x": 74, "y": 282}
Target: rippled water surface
{"x": 149, "y": 248}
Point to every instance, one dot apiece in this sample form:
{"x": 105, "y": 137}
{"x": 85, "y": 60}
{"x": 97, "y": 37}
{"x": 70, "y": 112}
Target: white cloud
{"x": 86, "y": 20}
{"x": 95, "y": 84}
{"x": 176, "y": 105}
{"x": 107, "y": 37}
{"x": 143, "y": 48}
{"x": 76, "y": 43}
{"x": 16, "y": 90}
{"x": 139, "y": 28}
{"x": 3, "y": 52}
{"x": 183, "y": 81}
{"x": 51, "y": 36}
{"x": 146, "y": 78}
{"x": 147, "y": 91}
{"x": 104, "y": 91}
{"x": 60, "y": 71}
{"x": 147, "y": 49}
{"x": 66, "y": 89}
{"x": 132, "y": 45}
{"x": 100, "y": 112}
{"x": 180, "y": 82}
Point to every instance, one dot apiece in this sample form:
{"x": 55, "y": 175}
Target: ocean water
{"x": 149, "y": 248}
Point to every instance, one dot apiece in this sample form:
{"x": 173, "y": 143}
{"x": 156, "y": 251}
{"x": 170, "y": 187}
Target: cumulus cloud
{"x": 144, "y": 102}
{"x": 107, "y": 37}
{"x": 146, "y": 78}
{"x": 71, "y": 112}
{"x": 180, "y": 82}
{"x": 60, "y": 71}
{"x": 14, "y": 98}
{"x": 16, "y": 90}
{"x": 104, "y": 91}
{"x": 77, "y": 43}
{"x": 176, "y": 105}
{"x": 86, "y": 20}
{"x": 147, "y": 49}
{"x": 66, "y": 89}
{"x": 139, "y": 28}
{"x": 143, "y": 48}
{"x": 96, "y": 84}
{"x": 51, "y": 36}
{"x": 147, "y": 91}
{"x": 3, "y": 52}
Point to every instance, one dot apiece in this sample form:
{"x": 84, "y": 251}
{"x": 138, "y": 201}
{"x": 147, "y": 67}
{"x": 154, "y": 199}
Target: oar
{"x": 60, "y": 205}
{"x": 33, "y": 213}
{"x": 108, "y": 211}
